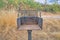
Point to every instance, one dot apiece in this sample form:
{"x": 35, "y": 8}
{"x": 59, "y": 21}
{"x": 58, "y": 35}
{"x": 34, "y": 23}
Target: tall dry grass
{"x": 7, "y": 21}
{"x": 8, "y": 28}
{"x": 52, "y": 25}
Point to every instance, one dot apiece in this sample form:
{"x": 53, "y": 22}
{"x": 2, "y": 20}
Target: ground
{"x": 8, "y": 28}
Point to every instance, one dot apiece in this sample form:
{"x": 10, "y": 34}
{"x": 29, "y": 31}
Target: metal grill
{"x": 28, "y": 20}
{"x": 28, "y": 13}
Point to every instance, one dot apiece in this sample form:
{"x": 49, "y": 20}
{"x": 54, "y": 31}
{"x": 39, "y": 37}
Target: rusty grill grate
{"x": 28, "y": 13}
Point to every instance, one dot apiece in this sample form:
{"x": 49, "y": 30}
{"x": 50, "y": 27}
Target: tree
{"x": 56, "y": 1}
{"x": 2, "y": 3}
{"x": 45, "y": 5}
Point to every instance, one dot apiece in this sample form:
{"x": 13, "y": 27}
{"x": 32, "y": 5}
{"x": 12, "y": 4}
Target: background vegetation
{"x": 8, "y": 17}
{"x": 31, "y": 4}
{"x": 8, "y": 28}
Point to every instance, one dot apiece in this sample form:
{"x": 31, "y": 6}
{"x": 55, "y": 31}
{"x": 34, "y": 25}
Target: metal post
{"x": 29, "y": 35}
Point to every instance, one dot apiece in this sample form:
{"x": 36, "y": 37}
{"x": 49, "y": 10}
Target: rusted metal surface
{"x": 28, "y": 13}
{"x": 29, "y": 23}
{"x": 29, "y": 20}
{"x": 29, "y": 27}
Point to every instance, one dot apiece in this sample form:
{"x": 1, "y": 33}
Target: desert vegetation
{"x": 8, "y": 28}
{"x": 8, "y": 17}
{"x": 30, "y": 4}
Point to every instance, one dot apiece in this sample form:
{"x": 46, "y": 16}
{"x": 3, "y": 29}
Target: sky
{"x": 48, "y": 1}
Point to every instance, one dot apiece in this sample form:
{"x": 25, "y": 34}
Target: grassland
{"x": 8, "y": 28}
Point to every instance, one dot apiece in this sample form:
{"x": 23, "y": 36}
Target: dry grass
{"x": 52, "y": 25}
{"x": 8, "y": 28}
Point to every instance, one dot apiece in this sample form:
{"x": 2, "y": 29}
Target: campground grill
{"x": 29, "y": 20}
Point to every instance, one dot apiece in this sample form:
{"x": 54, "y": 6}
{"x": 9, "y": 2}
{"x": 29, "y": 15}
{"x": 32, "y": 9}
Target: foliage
{"x": 2, "y": 3}
{"x": 34, "y": 5}
{"x": 52, "y": 8}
